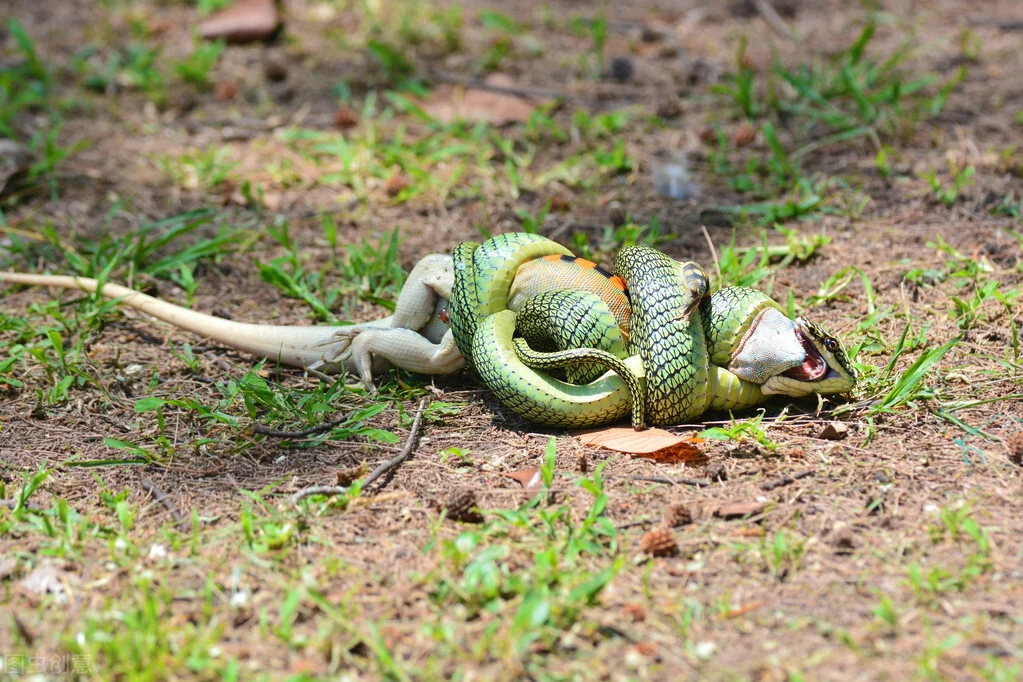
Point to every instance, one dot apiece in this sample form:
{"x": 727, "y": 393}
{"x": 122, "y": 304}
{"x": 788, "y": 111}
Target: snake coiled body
{"x": 676, "y": 361}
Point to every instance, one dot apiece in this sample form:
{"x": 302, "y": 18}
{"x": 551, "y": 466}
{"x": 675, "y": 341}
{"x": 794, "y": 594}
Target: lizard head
{"x": 792, "y": 357}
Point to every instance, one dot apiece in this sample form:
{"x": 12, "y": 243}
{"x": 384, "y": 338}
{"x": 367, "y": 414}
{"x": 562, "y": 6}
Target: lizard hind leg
{"x": 403, "y": 348}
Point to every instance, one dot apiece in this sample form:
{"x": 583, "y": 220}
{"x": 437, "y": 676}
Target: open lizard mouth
{"x": 814, "y": 367}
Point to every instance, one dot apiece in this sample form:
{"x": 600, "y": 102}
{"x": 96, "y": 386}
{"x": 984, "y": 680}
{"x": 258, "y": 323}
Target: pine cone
{"x": 463, "y": 506}
{"x": 676, "y": 515}
{"x": 1015, "y": 444}
{"x": 659, "y": 542}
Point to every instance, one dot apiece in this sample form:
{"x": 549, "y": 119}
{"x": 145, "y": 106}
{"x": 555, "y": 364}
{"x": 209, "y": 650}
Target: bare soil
{"x": 795, "y": 591}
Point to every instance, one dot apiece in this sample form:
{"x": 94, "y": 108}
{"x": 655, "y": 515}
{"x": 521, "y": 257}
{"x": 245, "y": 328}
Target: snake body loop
{"x": 666, "y": 334}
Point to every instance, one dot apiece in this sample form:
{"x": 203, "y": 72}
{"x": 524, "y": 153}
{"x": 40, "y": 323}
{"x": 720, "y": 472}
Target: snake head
{"x": 825, "y": 368}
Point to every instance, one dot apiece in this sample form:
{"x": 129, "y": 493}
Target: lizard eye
{"x": 831, "y": 344}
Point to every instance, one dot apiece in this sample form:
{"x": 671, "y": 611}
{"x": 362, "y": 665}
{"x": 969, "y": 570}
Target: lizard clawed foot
{"x": 341, "y": 344}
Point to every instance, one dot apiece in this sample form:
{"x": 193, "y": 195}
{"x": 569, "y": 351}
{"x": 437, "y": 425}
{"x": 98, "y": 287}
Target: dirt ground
{"x": 161, "y": 542}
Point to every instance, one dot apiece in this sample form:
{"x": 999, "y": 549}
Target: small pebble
{"x": 616, "y": 213}
{"x": 621, "y": 69}
{"x": 672, "y": 180}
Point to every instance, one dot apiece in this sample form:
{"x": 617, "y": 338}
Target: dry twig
{"x": 160, "y": 496}
{"x": 312, "y": 430}
{"x": 695, "y": 482}
{"x": 384, "y": 468}
{"x": 785, "y": 480}
{"x": 1001, "y": 24}
{"x": 771, "y": 16}
{"x": 518, "y": 90}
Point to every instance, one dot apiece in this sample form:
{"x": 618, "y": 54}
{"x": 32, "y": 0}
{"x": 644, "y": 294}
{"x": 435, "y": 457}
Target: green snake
{"x": 685, "y": 353}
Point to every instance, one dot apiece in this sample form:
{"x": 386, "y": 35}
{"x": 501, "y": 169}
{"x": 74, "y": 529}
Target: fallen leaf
{"x": 656, "y": 444}
{"x": 245, "y": 22}
{"x": 834, "y": 431}
{"x": 739, "y": 510}
{"x": 449, "y": 104}
{"x": 531, "y": 479}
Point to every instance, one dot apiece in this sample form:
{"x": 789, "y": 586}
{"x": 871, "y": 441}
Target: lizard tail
{"x": 307, "y": 347}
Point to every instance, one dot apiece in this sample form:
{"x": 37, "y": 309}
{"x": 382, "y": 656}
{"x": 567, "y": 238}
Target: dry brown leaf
{"x": 245, "y": 22}
{"x": 834, "y": 431}
{"x": 449, "y": 104}
{"x": 656, "y": 444}
{"x": 531, "y": 479}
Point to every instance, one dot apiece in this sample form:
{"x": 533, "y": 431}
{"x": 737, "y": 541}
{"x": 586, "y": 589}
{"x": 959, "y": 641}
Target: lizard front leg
{"x": 415, "y": 338}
